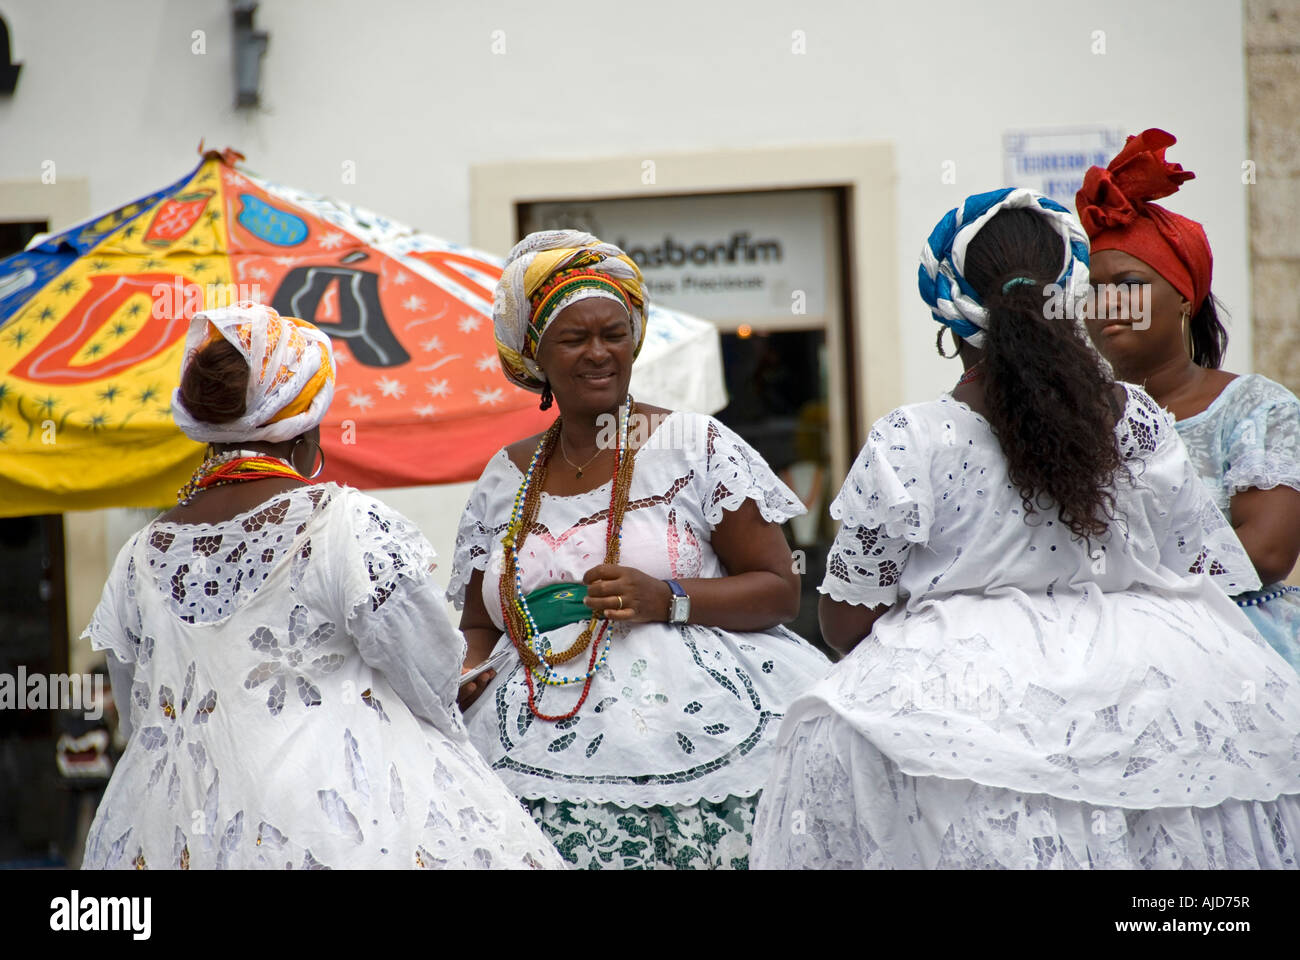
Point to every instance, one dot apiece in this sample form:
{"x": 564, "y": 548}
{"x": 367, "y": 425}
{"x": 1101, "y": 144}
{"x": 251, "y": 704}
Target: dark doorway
{"x": 33, "y": 637}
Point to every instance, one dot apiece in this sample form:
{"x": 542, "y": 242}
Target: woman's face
{"x": 586, "y": 353}
{"x": 1138, "y": 320}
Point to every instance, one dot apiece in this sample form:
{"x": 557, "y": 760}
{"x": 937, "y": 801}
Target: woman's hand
{"x": 759, "y": 591}
{"x": 471, "y": 691}
{"x": 625, "y": 594}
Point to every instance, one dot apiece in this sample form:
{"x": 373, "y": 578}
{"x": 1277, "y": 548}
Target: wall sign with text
{"x": 762, "y": 258}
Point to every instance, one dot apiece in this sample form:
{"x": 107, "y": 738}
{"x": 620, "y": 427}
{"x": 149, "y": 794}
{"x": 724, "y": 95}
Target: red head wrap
{"x": 1114, "y": 207}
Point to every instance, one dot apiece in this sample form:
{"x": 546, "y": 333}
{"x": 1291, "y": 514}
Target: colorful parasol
{"x": 93, "y": 320}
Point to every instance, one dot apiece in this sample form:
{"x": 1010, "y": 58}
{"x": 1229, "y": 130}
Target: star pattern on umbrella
{"x": 438, "y": 388}
{"x": 390, "y": 387}
{"x": 433, "y": 343}
{"x": 469, "y": 323}
{"x": 491, "y": 396}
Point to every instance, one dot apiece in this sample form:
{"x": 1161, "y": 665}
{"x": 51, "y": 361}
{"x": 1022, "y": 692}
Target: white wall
{"x": 413, "y": 94}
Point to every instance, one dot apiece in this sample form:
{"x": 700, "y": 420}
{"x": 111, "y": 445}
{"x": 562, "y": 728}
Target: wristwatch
{"x": 679, "y": 604}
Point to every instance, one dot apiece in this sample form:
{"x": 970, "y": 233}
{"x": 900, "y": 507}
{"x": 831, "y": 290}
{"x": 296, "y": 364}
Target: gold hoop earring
{"x": 1188, "y": 345}
{"x": 938, "y": 344}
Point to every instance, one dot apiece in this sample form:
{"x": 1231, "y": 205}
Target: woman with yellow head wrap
{"x": 546, "y": 272}
{"x": 626, "y": 574}
{"x": 284, "y": 664}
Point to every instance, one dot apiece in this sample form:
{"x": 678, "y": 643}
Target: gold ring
{"x": 620, "y": 601}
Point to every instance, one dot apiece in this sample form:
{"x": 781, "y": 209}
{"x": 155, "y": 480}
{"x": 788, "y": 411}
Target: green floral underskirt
{"x": 601, "y": 836}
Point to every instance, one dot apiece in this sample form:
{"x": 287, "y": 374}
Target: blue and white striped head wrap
{"x": 953, "y": 301}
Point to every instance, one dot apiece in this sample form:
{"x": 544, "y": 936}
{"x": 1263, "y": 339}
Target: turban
{"x": 290, "y": 374}
{"x": 942, "y": 280}
{"x": 1116, "y": 209}
{"x": 547, "y": 272}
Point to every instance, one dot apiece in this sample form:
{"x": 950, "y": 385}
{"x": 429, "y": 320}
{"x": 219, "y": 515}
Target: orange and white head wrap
{"x": 290, "y": 374}
{"x": 551, "y": 270}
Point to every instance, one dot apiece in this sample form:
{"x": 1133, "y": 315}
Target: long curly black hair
{"x": 1050, "y": 401}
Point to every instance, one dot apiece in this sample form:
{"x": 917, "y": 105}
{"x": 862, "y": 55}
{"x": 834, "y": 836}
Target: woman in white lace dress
{"x": 283, "y": 662}
{"x": 1242, "y": 432}
{"x": 652, "y": 753}
{"x": 1041, "y": 670}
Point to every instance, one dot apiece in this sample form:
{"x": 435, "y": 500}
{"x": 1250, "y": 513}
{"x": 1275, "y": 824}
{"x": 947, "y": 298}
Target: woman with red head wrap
{"x": 1158, "y": 325}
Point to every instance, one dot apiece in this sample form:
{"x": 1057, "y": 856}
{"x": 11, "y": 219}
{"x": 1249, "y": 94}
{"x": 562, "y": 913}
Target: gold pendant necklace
{"x": 565, "y": 453}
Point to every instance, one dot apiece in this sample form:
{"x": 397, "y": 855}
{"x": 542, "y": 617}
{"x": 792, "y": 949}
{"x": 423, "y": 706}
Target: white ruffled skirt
{"x": 836, "y": 802}
{"x": 1126, "y": 730}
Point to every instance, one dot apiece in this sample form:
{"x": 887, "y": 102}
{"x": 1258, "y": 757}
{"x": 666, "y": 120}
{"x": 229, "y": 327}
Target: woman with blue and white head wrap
{"x": 1029, "y": 587}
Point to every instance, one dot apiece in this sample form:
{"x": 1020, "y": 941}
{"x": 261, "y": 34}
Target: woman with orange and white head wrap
{"x": 283, "y": 659}
{"x": 626, "y": 574}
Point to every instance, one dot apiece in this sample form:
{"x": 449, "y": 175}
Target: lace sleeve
{"x": 115, "y": 625}
{"x": 863, "y": 566}
{"x": 884, "y": 507}
{"x": 1264, "y": 446}
{"x": 474, "y": 539}
{"x": 889, "y": 484}
{"x": 1198, "y": 539}
{"x": 392, "y": 549}
{"x": 396, "y": 615}
{"x": 735, "y": 472}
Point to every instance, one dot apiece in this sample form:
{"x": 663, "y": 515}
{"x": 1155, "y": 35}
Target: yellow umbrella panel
{"x": 92, "y": 325}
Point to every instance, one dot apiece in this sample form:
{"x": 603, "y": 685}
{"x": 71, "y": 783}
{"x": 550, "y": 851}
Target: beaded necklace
{"x": 534, "y": 650}
{"x": 974, "y": 373}
{"x": 1265, "y": 598}
{"x": 235, "y": 466}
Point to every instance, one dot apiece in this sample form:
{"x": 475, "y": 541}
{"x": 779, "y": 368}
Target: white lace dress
{"x": 287, "y": 679}
{"x": 1026, "y": 703}
{"x": 1249, "y": 439}
{"x": 661, "y": 766}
